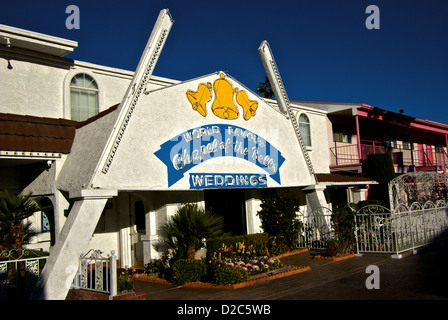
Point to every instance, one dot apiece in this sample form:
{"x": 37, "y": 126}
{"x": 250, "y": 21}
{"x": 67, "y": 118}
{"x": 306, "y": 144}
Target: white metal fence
{"x": 403, "y": 230}
{"x": 18, "y": 274}
{"x": 97, "y": 273}
{"x": 378, "y": 230}
{"x": 317, "y": 231}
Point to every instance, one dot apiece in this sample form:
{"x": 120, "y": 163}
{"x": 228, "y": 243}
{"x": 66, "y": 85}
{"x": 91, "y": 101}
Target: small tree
{"x": 278, "y": 216}
{"x": 343, "y": 223}
{"x": 186, "y": 229}
{"x": 14, "y": 208}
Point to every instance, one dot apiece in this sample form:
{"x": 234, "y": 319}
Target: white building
{"x": 116, "y": 152}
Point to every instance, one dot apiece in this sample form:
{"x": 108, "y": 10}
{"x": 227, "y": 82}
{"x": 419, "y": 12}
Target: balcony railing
{"x": 429, "y": 158}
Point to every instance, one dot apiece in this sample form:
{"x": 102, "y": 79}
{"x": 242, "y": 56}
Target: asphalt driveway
{"x": 422, "y": 276}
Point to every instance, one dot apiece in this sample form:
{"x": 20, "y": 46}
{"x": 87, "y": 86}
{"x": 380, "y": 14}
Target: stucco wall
{"x": 40, "y": 87}
{"x": 166, "y": 113}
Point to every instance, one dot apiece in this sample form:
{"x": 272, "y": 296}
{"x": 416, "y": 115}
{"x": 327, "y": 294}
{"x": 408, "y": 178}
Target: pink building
{"x": 357, "y": 130}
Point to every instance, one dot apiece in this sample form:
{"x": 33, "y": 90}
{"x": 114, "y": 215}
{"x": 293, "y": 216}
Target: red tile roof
{"x": 343, "y": 178}
{"x": 36, "y": 134}
{"x": 40, "y": 134}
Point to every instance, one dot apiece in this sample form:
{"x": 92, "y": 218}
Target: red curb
{"x": 145, "y": 278}
{"x": 291, "y": 253}
{"x": 349, "y": 256}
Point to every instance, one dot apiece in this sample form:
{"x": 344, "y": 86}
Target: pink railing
{"x": 344, "y": 155}
{"x": 422, "y": 157}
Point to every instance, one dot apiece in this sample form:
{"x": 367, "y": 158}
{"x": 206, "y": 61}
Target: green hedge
{"x": 188, "y": 270}
{"x": 221, "y": 274}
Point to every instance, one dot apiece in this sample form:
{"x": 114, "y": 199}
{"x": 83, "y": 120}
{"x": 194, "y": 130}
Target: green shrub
{"x": 188, "y": 270}
{"x": 344, "y": 229}
{"x": 159, "y": 268}
{"x": 222, "y": 275}
{"x": 278, "y": 216}
{"x": 278, "y": 245}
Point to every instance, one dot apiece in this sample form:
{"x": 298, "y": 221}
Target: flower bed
{"x": 267, "y": 276}
{"x": 254, "y": 266}
{"x": 230, "y": 267}
{"x": 126, "y": 280}
{"x": 283, "y": 272}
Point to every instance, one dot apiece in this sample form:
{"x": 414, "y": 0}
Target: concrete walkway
{"x": 422, "y": 276}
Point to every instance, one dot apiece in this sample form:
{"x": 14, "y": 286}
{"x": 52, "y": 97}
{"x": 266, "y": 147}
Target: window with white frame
{"x": 84, "y": 102}
{"x": 305, "y": 129}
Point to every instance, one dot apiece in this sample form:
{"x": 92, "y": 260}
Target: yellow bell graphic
{"x": 249, "y": 106}
{"x": 200, "y": 97}
{"x": 223, "y": 106}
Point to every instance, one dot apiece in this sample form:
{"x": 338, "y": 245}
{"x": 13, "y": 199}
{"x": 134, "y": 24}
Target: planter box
{"x": 256, "y": 279}
{"x": 271, "y": 275}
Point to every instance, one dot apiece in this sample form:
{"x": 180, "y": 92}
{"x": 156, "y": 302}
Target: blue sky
{"x": 323, "y": 49}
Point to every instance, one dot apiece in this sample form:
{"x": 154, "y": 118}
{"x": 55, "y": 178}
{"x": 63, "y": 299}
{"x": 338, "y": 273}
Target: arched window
{"x": 305, "y": 130}
{"x": 83, "y": 97}
{"x": 47, "y": 219}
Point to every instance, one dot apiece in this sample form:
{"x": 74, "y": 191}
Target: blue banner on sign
{"x": 190, "y": 148}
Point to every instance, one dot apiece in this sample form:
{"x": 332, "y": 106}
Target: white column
{"x": 61, "y": 267}
{"x": 253, "y": 201}
{"x": 151, "y": 236}
{"x": 315, "y": 197}
{"x": 125, "y": 255}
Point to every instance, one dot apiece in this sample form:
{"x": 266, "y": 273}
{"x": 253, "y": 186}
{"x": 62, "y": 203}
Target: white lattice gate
{"x": 97, "y": 273}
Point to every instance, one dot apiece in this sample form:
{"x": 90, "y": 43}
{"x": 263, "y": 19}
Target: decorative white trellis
{"x": 416, "y": 188}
